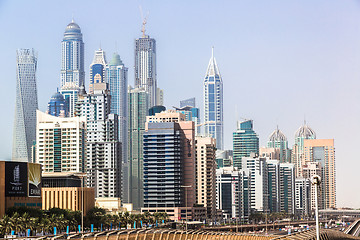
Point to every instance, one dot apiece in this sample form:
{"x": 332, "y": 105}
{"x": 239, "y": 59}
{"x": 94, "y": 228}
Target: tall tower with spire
{"x": 213, "y": 103}
{"x": 145, "y": 66}
{"x": 72, "y": 65}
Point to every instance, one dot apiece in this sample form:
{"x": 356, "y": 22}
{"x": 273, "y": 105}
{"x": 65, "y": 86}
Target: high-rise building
{"x": 245, "y": 142}
{"x": 213, "y": 103}
{"x": 205, "y": 174}
{"x": 224, "y": 158}
{"x": 297, "y": 155}
{"x": 188, "y": 102}
{"x": 273, "y": 185}
{"x": 233, "y": 192}
{"x": 138, "y": 109}
{"x": 57, "y": 105}
{"x": 117, "y": 79}
{"x": 97, "y": 71}
{"x": 145, "y": 67}
{"x": 287, "y": 188}
{"x": 169, "y": 162}
{"x": 323, "y": 152}
{"x": 25, "y": 106}
{"x": 279, "y": 141}
{"x": 258, "y": 184}
{"x": 103, "y": 147}
{"x": 302, "y": 197}
{"x": 309, "y": 170}
{"x": 61, "y": 143}
{"x": 72, "y": 65}
{"x": 159, "y": 97}
{"x": 191, "y": 114}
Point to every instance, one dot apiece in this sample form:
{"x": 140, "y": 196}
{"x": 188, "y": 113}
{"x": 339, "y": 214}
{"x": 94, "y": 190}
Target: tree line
{"x": 42, "y": 222}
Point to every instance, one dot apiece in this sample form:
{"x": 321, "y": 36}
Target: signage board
{"x": 16, "y": 179}
{"x": 34, "y": 180}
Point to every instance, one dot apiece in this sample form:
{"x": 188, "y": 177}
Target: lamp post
{"x": 82, "y": 176}
{"x": 316, "y": 180}
{"x": 186, "y": 186}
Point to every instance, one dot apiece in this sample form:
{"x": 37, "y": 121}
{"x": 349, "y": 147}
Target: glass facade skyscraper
{"x": 138, "y": 109}
{"x": 245, "y": 141}
{"x": 116, "y": 75}
{"x": 26, "y": 105}
{"x": 213, "y": 103}
{"x": 72, "y": 65}
{"x": 145, "y": 67}
{"x": 278, "y": 140}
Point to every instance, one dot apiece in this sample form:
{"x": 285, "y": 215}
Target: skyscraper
{"x": 213, "y": 103}
{"x": 138, "y": 109}
{"x": 145, "y": 67}
{"x": 72, "y": 65}
{"x": 169, "y": 163}
{"x": 279, "y": 141}
{"x": 26, "y": 105}
{"x": 97, "y": 71}
{"x": 297, "y": 155}
{"x": 57, "y": 105}
{"x": 323, "y": 152}
{"x": 117, "y": 77}
{"x": 245, "y": 141}
{"x": 103, "y": 146}
{"x": 206, "y": 174}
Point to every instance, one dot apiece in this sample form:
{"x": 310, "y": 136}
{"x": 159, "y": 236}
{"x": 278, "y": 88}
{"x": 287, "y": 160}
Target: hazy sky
{"x": 280, "y": 61}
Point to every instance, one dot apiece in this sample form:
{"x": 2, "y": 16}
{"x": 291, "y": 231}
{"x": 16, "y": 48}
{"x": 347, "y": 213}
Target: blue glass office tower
{"x": 57, "y": 106}
{"x": 72, "y": 65}
{"x": 26, "y": 104}
{"x": 245, "y": 141}
{"x": 213, "y": 103}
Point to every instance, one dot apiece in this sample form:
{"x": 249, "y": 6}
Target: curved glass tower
{"x": 213, "y": 103}
{"x": 26, "y": 104}
{"x": 72, "y": 65}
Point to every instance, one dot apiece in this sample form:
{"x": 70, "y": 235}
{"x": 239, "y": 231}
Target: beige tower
{"x": 323, "y": 151}
{"x": 206, "y": 174}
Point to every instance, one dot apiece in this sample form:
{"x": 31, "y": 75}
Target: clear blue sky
{"x": 280, "y": 61}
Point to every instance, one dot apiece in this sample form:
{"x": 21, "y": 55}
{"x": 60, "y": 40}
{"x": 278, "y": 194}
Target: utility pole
{"x": 316, "y": 180}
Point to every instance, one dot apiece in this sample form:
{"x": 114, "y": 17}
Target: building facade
{"x": 26, "y": 104}
{"x": 145, "y": 67}
{"x": 97, "y": 71}
{"x": 72, "y": 65}
{"x": 103, "y": 147}
{"x": 213, "y": 103}
{"x": 245, "y": 142}
{"x": 205, "y": 148}
{"x": 61, "y": 143}
{"x": 138, "y": 109}
{"x": 169, "y": 162}
{"x": 279, "y": 141}
{"x": 297, "y": 156}
{"x": 323, "y": 152}
{"x": 303, "y": 197}
{"x": 57, "y": 105}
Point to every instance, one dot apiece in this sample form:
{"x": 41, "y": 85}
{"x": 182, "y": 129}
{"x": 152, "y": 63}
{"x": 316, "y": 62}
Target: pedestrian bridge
{"x": 168, "y": 234}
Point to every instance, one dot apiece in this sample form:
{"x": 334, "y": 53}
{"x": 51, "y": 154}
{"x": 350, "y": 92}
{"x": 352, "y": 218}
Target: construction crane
{"x": 144, "y": 21}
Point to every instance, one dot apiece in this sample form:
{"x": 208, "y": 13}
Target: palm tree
{"x": 6, "y": 225}
{"x": 15, "y": 219}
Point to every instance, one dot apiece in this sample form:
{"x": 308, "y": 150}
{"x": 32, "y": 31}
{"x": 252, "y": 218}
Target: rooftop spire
{"x": 212, "y": 69}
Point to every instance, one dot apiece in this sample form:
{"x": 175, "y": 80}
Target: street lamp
{"x": 316, "y": 180}
{"x": 186, "y": 186}
{"x": 82, "y": 175}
